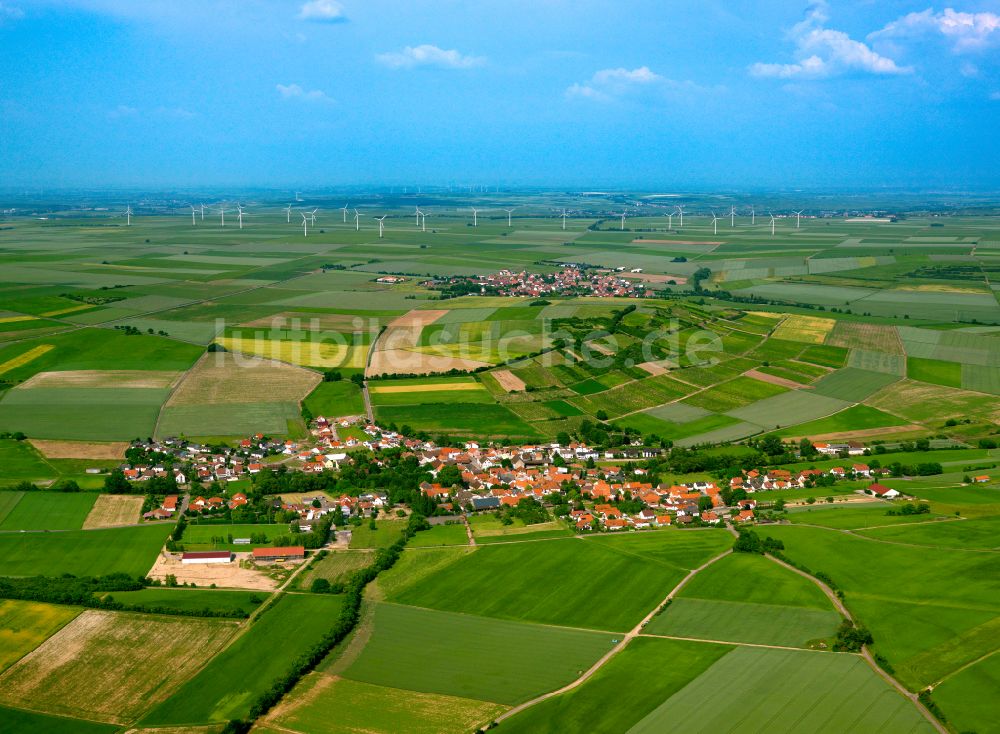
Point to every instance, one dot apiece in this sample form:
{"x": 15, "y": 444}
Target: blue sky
{"x": 580, "y": 93}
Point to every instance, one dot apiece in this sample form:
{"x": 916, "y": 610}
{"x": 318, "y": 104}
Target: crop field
{"x": 969, "y": 696}
{"x": 82, "y": 552}
{"x": 199, "y": 537}
{"x": 789, "y": 408}
{"x": 266, "y": 648}
{"x": 977, "y": 534}
{"x": 572, "y": 571}
{"x": 481, "y": 420}
{"x": 453, "y": 534}
{"x": 472, "y": 657}
{"x": 734, "y": 394}
{"x": 24, "y": 625}
{"x": 808, "y": 329}
{"x": 853, "y": 697}
{"x": 112, "y": 510}
{"x": 921, "y": 402}
{"x": 336, "y": 567}
{"x": 857, "y": 418}
{"x": 18, "y": 721}
{"x": 386, "y": 533}
{"x": 89, "y": 668}
{"x": 363, "y": 707}
{"x": 193, "y": 600}
{"x": 335, "y": 399}
{"x": 871, "y": 337}
{"x": 855, "y": 516}
{"x": 49, "y": 511}
{"x": 222, "y": 378}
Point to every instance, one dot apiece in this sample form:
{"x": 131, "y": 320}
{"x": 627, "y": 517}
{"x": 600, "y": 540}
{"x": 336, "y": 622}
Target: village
{"x": 570, "y": 281}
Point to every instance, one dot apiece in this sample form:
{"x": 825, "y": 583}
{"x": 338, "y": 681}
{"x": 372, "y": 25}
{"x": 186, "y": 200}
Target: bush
{"x": 320, "y": 586}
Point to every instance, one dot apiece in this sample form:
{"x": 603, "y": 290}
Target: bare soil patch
{"x": 222, "y": 377}
{"x": 417, "y": 318}
{"x": 509, "y": 381}
{"x": 444, "y": 387}
{"x": 402, "y": 361}
{"x": 112, "y": 510}
{"x": 653, "y": 368}
{"x": 80, "y": 449}
{"x": 109, "y": 666}
{"x": 224, "y": 575}
{"x": 864, "y": 433}
{"x": 656, "y": 278}
{"x": 775, "y": 380}
{"x": 104, "y": 378}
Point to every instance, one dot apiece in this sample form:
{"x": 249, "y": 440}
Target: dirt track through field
{"x": 775, "y": 380}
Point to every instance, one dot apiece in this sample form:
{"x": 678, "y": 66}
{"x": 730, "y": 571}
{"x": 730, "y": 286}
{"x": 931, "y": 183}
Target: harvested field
{"x": 809, "y": 329}
{"x": 223, "y": 575}
{"x": 104, "y": 378}
{"x": 315, "y": 322}
{"x": 863, "y": 433}
{"x": 873, "y": 337}
{"x": 417, "y": 319}
{"x": 775, "y": 380}
{"x": 111, "y": 510}
{"x": 509, "y": 381}
{"x": 674, "y": 242}
{"x": 401, "y": 361}
{"x": 653, "y": 368}
{"x": 657, "y": 278}
{"x": 80, "y": 449}
{"x": 110, "y": 667}
{"x": 305, "y": 353}
{"x": 430, "y": 387}
{"x": 23, "y": 359}
{"x": 220, "y": 377}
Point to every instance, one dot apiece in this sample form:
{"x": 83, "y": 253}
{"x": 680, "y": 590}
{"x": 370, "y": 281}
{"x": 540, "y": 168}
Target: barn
{"x": 207, "y": 557}
{"x": 284, "y": 553}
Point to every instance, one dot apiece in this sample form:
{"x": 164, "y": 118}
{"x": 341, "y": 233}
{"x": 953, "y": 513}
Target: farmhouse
{"x": 880, "y": 490}
{"x": 207, "y": 557}
{"x": 284, "y": 553}
{"x": 981, "y": 479}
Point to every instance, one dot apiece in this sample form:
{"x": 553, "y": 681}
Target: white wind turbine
{"x": 715, "y": 224}
{"x": 509, "y": 212}
{"x": 670, "y": 221}
{"x": 381, "y": 224}
{"x": 753, "y": 215}
{"x": 564, "y": 215}
{"x": 624, "y": 212}
{"x": 417, "y": 213}
{"x": 128, "y": 216}
{"x": 344, "y": 210}
{"x": 475, "y": 215}
{"x": 288, "y": 214}
{"x": 423, "y": 221}
{"x": 305, "y": 225}
{"x": 312, "y": 216}
{"x": 203, "y": 212}
{"x": 222, "y": 213}
{"x": 680, "y": 212}
{"x": 732, "y": 216}
{"x": 798, "y": 216}
{"x": 357, "y": 221}
{"x": 239, "y": 215}
{"x": 193, "y": 211}
{"x": 772, "y": 224}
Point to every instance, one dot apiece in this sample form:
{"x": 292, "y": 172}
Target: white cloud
{"x": 607, "y": 84}
{"x": 823, "y": 52}
{"x": 428, "y": 55}
{"x": 294, "y": 91}
{"x": 995, "y": 96}
{"x": 8, "y": 12}
{"x": 967, "y": 31}
{"x": 322, "y": 11}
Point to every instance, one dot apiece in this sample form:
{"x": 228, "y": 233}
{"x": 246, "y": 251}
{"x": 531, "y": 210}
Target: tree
{"x": 772, "y": 446}
{"x": 704, "y": 504}
{"x": 806, "y": 448}
{"x": 563, "y": 439}
{"x": 450, "y": 476}
{"x": 320, "y": 586}
{"x": 748, "y": 542}
{"x": 116, "y": 483}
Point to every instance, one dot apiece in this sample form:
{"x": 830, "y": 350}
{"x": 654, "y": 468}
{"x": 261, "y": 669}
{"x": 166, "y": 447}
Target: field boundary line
{"x": 734, "y": 643}
{"x": 503, "y": 619}
{"x": 865, "y": 652}
{"x": 631, "y": 635}
{"x": 855, "y": 534}
{"x": 955, "y": 672}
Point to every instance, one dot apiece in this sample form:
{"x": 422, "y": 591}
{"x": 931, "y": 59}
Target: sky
{"x": 734, "y": 95}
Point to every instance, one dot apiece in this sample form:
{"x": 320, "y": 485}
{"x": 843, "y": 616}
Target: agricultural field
{"x": 129, "y": 550}
{"x": 24, "y": 625}
{"x": 46, "y": 510}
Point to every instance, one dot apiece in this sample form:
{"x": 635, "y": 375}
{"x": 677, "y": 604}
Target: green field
{"x": 97, "y": 414}
{"x": 454, "y": 534}
{"x": 267, "y": 649}
{"x": 198, "y": 537}
{"x": 18, "y": 721}
{"x": 193, "y": 600}
{"x": 794, "y": 691}
{"x": 129, "y": 550}
{"x": 24, "y": 625}
{"x": 855, "y": 418}
{"x": 970, "y": 697}
{"x": 626, "y": 689}
{"x": 590, "y": 583}
{"x": 483, "y": 420}
{"x": 386, "y": 533}
{"x": 47, "y": 510}
{"x": 335, "y": 399}
{"x": 472, "y": 657}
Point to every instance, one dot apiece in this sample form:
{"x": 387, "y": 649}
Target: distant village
{"x": 567, "y": 282}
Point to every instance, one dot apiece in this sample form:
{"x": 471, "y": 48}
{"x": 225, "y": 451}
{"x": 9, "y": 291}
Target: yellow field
{"x": 14, "y": 319}
{"x": 446, "y": 387}
{"x": 309, "y": 354}
{"x": 79, "y": 449}
{"x": 24, "y": 625}
{"x": 111, "y": 667}
{"x": 112, "y": 510}
{"x": 71, "y": 309}
{"x": 220, "y": 377}
{"x": 807, "y": 329}
{"x": 23, "y": 359}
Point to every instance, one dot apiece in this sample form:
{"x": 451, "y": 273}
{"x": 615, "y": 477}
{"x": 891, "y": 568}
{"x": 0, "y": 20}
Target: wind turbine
{"x": 772, "y": 224}
{"x": 193, "y": 211}
{"x": 715, "y": 224}
{"x": 312, "y": 216}
{"x": 475, "y": 213}
{"x": 288, "y": 214}
{"x": 680, "y": 211}
{"x": 670, "y": 221}
{"x": 344, "y": 210}
{"x": 753, "y": 215}
{"x": 357, "y": 221}
{"x": 423, "y": 221}
{"x": 298, "y": 196}
{"x": 381, "y": 221}
{"x": 222, "y": 212}
{"x": 305, "y": 225}
{"x": 203, "y": 212}
{"x": 623, "y": 220}
{"x": 240, "y": 215}
{"x": 417, "y": 213}
{"x": 732, "y": 216}
{"x": 128, "y": 216}
{"x": 509, "y": 211}
{"x": 564, "y": 215}
{"x": 798, "y": 216}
